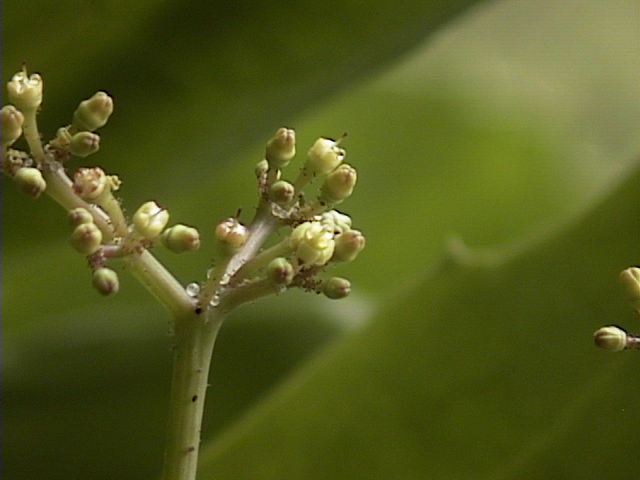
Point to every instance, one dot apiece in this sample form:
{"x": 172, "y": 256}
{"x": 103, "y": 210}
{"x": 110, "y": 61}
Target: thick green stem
{"x": 195, "y": 338}
{"x": 31, "y": 134}
{"x": 159, "y": 281}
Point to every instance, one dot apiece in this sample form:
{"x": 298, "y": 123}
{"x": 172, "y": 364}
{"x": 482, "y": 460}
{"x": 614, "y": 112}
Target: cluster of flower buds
{"x": 100, "y": 230}
{"x": 614, "y": 338}
{"x": 319, "y": 237}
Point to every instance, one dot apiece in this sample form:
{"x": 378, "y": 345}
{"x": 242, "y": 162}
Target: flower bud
{"x": 79, "y": 216}
{"x": 106, "y": 281}
{"x": 86, "y": 238}
{"x": 282, "y": 192}
{"x": 232, "y": 233}
{"x": 336, "y": 221}
{"x": 93, "y": 113}
{"x": 12, "y": 120}
{"x": 336, "y": 288}
{"x": 312, "y": 243}
{"x": 281, "y": 148}
{"x": 25, "y": 91}
{"x": 280, "y": 271}
{"x": 324, "y": 157}
{"x": 90, "y": 183}
{"x": 348, "y": 245}
{"x": 30, "y": 181}
{"x": 610, "y": 338}
{"x": 181, "y": 238}
{"x": 150, "y": 219}
{"x": 63, "y": 138}
{"x": 261, "y": 168}
{"x": 630, "y": 279}
{"x": 339, "y": 184}
{"x": 83, "y": 144}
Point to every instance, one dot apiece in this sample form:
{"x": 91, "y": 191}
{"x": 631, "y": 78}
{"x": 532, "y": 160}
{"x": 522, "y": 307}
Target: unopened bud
{"x": 150, "y": 219}
{"x": 336, "y": 288}
{"x": 30, "y": 181}
{"x": 90, "y": 183}
{"x": 93, "y": 113}
{"x": 261, "y": 168}
{"x": 281, "y": 148}
{"x": 282, "y": 192}
{"x": 336, "y": 221}
{"x": 83, "y": 144}
{"x": 232, "y": 233}
{"x": 312, "y": 243}
{"x": 106, "y": 281}
{"x": 630, "y": 279}
{"x": 12, "y": 120}
{"x": 610, "y": 338}
{"x": 348, "y": 245}
{"x": 280, "y": 271}
{"x": 79, "y": 216}
{"x": 86, "y": 238}
{"x": 181, "y": 238}
{"x": 25, "y": 91}
{"x": 324, "y": 156}
{"x": 339, "y": 184}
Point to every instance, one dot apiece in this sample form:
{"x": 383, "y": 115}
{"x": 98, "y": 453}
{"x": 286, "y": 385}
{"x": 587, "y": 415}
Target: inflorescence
{"x": 614, "y": 338}
{"x": 319, "y": 236}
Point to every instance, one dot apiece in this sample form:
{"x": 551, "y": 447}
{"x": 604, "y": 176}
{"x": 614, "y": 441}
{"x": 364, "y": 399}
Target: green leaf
{"x": 485, "y": 370}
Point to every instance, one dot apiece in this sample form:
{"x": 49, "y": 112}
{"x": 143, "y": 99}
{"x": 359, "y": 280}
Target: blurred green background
{"x": 499, "y": 188}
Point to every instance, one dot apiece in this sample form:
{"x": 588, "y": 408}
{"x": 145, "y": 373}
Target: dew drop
{"x": 215, "y": 301}
{"x": 193, "y": 289}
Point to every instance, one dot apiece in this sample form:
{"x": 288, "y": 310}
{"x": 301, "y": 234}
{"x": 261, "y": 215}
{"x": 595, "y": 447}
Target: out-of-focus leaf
{"x": 485, "y": 370}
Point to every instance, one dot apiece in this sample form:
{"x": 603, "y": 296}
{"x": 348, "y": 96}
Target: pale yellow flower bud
{"x": 30, "y": 181}
{"x": 83, "y": 144}
{"x": 339, "y": 184}
{"x": 312, "y": 243}
{"x": 181, "y": 238}
{"x": 90, "y": 183}
{"x": 280, "y": 271}
{"x": 281, "y": 148}
{"x": 93, "y": 113}
{"x": 86, "y": 238}
{"x": 348, "y": 245}
{"x": 324, "y": 156}
{"x": 610, "y": 338}
{"x": 150, "y": 219}
{"x": 232, "y": 233}
{"x": 106, "y": 281}
{"x": 12, "y": 120}
{"x": 25, "y": 91}
{"x": 336, "y": 288}
{"x": 78, "y": 216}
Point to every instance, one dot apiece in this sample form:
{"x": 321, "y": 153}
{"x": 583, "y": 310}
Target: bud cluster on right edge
{"x": 612, "y": 337}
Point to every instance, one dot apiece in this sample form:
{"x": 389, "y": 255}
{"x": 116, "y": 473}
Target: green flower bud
{"x": 280, "y": 271}
{"x": 261, "y": 168}
{"x": 336, "y": 221}
{"x": 610, "y": 338}
{"x": 339, "y": 184}
{"x": 79, "y": 216}
{"x": 324, "y": 157}
{"x": 83, "y": 144}
{"x": 93, "y": 113}
{"x": 12, "y": 120}
{"x": 150, "y": 219}
{"x": 86, "y": 238}
{"x": 281, "y": 148}
{"x": 232, "y": 233}
{"x": 25, "y": 91}
{"x": 30, "y": 181}
{"x": 348, "y": 245}
{"x": 282, "y": 192}
{"x": 336, "y": 288}
{"x": 63, "y": 138}
{"x": 106, "y": 281}
{"x": 312, "y": 243}
{"x": 181, "y": 238}
{"x": 630, "y": 279}
{"x": 90, "y": 183}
